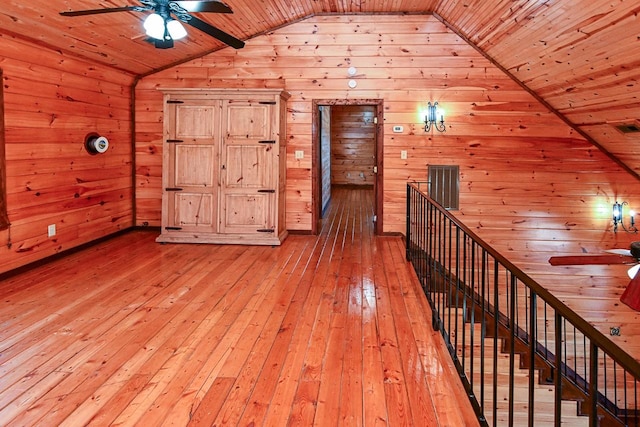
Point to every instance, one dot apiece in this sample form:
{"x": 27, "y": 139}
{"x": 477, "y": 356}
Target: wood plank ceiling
{"x": 580, "y": 58}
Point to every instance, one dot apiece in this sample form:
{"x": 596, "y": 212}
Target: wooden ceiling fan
{"x": 161, "y": 25}
{"x": 631, "y": 256}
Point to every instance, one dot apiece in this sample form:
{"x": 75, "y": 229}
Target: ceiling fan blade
{"x": 619, "y": 251}
{"x": 633, "y": 271}
{"x": 631, "y": 295}
{"x": 203, "y": 6}
{"x": 591, "y": 259}
{"x": 215, "y": 32}
{"x": 97, "y": 11}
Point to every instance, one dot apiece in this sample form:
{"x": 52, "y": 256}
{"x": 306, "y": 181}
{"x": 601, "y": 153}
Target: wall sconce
{"x": 618, "y": 218}
{"x": 431, "y": 119}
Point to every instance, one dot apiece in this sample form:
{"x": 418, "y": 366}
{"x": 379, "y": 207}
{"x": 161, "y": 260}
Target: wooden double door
{"x": 223, "y": 168}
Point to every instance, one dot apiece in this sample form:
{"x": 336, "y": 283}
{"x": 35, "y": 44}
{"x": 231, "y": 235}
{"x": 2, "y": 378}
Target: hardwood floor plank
{"x": 82, "y": 347}
{"x": 266, "y": 395}
{"x": 111, "y": 401}
{"x": 210, "y": 404}
{"x": 300, "y": 323}
{"x": 419, "y": 396}
{"x": 431, "y": 354}
{"x": 165, "y": 321}
{"x": 322, "y": 330}
{"x": 142, "y": 402}
{"x": 394, "y": 384}
{"x": 263, "y": 361}
{"x": 295, "y": 399}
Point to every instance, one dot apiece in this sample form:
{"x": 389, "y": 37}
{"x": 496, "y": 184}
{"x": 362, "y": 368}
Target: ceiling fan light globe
{"x": 176, "y": 29}
{"x": 154, "y": 26}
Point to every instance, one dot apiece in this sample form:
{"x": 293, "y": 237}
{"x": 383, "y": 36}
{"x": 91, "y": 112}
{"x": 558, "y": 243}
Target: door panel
{"x": 247, "y": 183}
{"x": 193, "y": 156}
{"x": 193, "y": 210}
{"x": 195, "y": 121}
{"x": 194, "y": 165}
{"x": 248, "y": 120}
{"x": 248, "y": 167}
{"x": 247, "y": 212}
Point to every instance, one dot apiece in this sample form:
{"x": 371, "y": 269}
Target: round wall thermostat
{"x": 96, "y": 144}
{"x": 353, "y": 84}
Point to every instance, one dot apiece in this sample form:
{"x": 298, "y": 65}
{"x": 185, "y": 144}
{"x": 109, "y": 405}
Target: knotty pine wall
{"x": 522, "y": 168}
{"x": 352, "y": 144}
{"x": 51, "y": 101}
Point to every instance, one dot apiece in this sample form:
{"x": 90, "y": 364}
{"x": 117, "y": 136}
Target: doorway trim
{"x": 316, "y": 204}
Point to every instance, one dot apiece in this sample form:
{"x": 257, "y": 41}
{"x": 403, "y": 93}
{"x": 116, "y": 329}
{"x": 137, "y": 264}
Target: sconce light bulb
{"x": 617, "y": 212}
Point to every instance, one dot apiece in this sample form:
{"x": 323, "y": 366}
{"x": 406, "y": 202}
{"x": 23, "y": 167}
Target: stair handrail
{"x": 601, "y": 341}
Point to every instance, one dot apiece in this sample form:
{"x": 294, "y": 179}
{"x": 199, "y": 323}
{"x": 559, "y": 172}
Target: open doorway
{"x": 347, "y": 151}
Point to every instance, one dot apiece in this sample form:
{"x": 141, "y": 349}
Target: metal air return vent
{"x": 627, "y": 128}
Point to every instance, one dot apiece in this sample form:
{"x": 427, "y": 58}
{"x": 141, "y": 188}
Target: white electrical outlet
{"x": 51, "y": 230}
{"x": 403, "y": 154}
{"x": 398, "y": 129}
{"x": 299, "y": 154}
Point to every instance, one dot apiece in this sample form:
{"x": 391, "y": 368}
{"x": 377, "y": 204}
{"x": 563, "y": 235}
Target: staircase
{"x": 482, "y": 343}
{"x": 521, "y": 353}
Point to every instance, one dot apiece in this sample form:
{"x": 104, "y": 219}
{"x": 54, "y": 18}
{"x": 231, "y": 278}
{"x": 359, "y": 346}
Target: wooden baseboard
{"x": 300, "y": 232}
{"x": 11, "y": 273}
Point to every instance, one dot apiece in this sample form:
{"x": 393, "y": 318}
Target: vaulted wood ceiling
{"x": 580, "y": 58}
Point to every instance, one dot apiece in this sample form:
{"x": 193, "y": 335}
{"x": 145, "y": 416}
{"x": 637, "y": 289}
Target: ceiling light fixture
{"x": 176, "y": 29}
{"x": 160, "y": 28}
{"x": 431, "y": 119}
{"x": 154, "y": 26}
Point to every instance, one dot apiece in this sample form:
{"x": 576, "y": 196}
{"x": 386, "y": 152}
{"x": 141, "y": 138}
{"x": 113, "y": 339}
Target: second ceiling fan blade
{"x": 203, "y": 6}
{"x": 591, "y": 259}
{"x": 631, "y": 295}
{"x": 97, "y": 11}
{"x": 215, "y": 32}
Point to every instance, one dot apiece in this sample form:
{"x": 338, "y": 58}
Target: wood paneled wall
{"x": 51, "y": 102}
{"x": 353, "y": 146}
{"x": 521, "y": 166}
{"x": 588, "y": 73}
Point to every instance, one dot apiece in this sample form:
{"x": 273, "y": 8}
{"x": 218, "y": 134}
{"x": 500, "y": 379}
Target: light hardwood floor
{"x": 324, "y": 330}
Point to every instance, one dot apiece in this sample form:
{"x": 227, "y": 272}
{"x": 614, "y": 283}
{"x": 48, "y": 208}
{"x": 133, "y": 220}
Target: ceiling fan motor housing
{"x": 635, "y": 249}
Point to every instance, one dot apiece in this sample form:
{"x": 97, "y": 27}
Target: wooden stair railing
{"x": 440, "y": 246}
{"x": 573, "y": 385}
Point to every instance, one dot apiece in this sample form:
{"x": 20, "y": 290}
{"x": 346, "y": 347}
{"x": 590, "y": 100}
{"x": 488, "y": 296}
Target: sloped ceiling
{"x": 582, "y": 58}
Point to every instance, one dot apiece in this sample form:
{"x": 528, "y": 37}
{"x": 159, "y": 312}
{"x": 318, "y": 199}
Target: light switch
{"x": 403, "y": 154}
{"x": 299, "y": 154}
